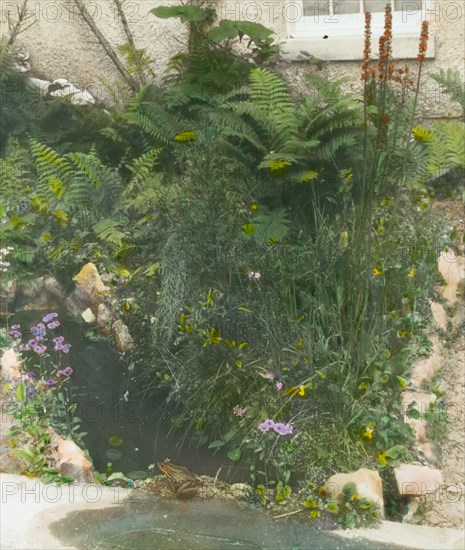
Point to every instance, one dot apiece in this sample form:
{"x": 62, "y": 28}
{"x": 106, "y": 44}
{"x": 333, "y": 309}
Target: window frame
{"x": 322, "y": 34}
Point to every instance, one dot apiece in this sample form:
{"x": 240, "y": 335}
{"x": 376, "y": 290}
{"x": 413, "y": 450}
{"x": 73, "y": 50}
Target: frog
{"x": 186, "y": 484}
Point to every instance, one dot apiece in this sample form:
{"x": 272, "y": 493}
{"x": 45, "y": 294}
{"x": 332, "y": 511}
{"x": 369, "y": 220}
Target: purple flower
{"x": 68, "y": 371}
{"x": 283, "y": 429}
{"x": 24, "y": 347}
{"x": 32, "y": 374}
{"x": 16, "y": 331}
{"x": 279, "y": 385}
{"x": 38, "y": 331}
{"x": 53, "y": 324}
{"x": 32, "y": 343}
{"x": 49, "y": 317}
{"x": 59, "y": 346}
{"x": 278, "y": 427}
{"x": 50, "y": 382}
{"x": 30, "y": 393}
{"x": 40, "y": 350}
{"x": 59, "y": 373}
{"x": 266, "y": 425}
{"x": 238, "y": 411}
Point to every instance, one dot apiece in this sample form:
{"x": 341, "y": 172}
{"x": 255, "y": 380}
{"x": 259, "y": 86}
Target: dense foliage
{"x": 273, "y": 257}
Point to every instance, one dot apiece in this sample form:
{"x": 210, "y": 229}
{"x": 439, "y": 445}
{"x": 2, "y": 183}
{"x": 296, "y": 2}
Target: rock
{"x": 31, "y": 296}
{"x": 61, "y": 87}
{"x": 40, "y": 85}
{"x": 241, "y": 490}
{"x": 21, "y": 62}
{"x": 10, "y": 366}
{"x": 417, "y": 480}
{"x": 425, "y": 369}
{"x": 89, "y": 291}
{"x": 103, "y": 314}
{"x": 368, "y": 483}
{"x": 123, "y": 339}
{"x": 88, "y": 316}
{"x": 53, "y": 289}
{"x": 70, "y": 459}
{"x": 439, "y": 315}
{"x": 452, "y": 269}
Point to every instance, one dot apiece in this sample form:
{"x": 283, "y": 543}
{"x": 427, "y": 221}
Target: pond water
{"x": 111, "y": 410}
{"x": 213, "y": 525}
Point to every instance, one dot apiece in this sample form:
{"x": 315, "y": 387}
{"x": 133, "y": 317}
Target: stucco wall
{"x": 61, "y": 44}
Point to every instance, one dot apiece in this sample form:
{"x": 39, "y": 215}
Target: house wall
{"x": 62, "y": 46}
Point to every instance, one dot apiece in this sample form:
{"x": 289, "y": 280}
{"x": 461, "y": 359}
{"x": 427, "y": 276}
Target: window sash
{"x": 405, "y": 21}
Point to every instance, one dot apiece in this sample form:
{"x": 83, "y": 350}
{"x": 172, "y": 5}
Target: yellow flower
{"x": 345, "y": 238}
{"x": 367, "y": 433}
{"x": 411, "y": 273}
{"x": 302, "y": 391}
{"x": 254, "y": 207}
{"x": 377, "y": 272}
{"x": 363, "y": 386}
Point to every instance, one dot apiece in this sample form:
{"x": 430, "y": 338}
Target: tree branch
{"x": 127, "y": 30}
{"x": 106, "y": 45}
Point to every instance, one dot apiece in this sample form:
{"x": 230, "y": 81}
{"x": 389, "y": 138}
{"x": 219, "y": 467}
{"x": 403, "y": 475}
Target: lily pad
{"x": 137, "y": 474}
{"x": 115, "y": 440}
{"x": 113, "y": 454}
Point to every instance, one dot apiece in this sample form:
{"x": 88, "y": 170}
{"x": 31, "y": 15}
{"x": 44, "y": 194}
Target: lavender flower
{"x": 30, "y": 393}
{"x": 38, "y": 331}
{"x": 278, "y": 427}
{"x": 266, "y": 425}
{"x": 49, "y": 317}
{"x": 40, "y": 350}
{"x": 53, "y": 324}
{"x": 16, "y": 331}
{"x": 32, "y": 343}
{"x": 24, "y": 347}
{"x": 32, "y": 374}
{"x": 66, "y": 348}
{"x": 51, "y": 382}
{"x": 283, "y": 429}
{"x": 68, "y": 371}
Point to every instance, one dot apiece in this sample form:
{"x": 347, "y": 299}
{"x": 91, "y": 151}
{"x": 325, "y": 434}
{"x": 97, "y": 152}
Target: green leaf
{"x": 229, "y": 435}
{"x": 394, "y": 452}
{"x": 216, "y": 444}
{"x": 185, "y": 13}
{"x": 248, "y": 229}
{"x": 20, "y": 392}
{"x": 414, "y": 413}
{"x": 226, "y": 30}
{"x": 235, "y": 454}
{"x": 402, "y": 382}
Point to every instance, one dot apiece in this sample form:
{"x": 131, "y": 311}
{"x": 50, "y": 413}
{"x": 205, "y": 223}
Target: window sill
{"x": 348, "y": 48}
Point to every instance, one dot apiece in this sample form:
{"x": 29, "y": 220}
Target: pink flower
{"x": 269, "y": 376}
{"x": 279, "y": 385}
{"x": 239, "y": 411}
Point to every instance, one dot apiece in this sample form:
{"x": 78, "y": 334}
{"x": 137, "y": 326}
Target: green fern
{"x": 453, "y": 84}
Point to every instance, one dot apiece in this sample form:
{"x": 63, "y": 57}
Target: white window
{"x": 334, "y": 29}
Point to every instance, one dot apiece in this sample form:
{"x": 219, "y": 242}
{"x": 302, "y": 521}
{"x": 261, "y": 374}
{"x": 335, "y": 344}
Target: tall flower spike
{"x": 423, "y": 41}
{"x": 367, "y": 47}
